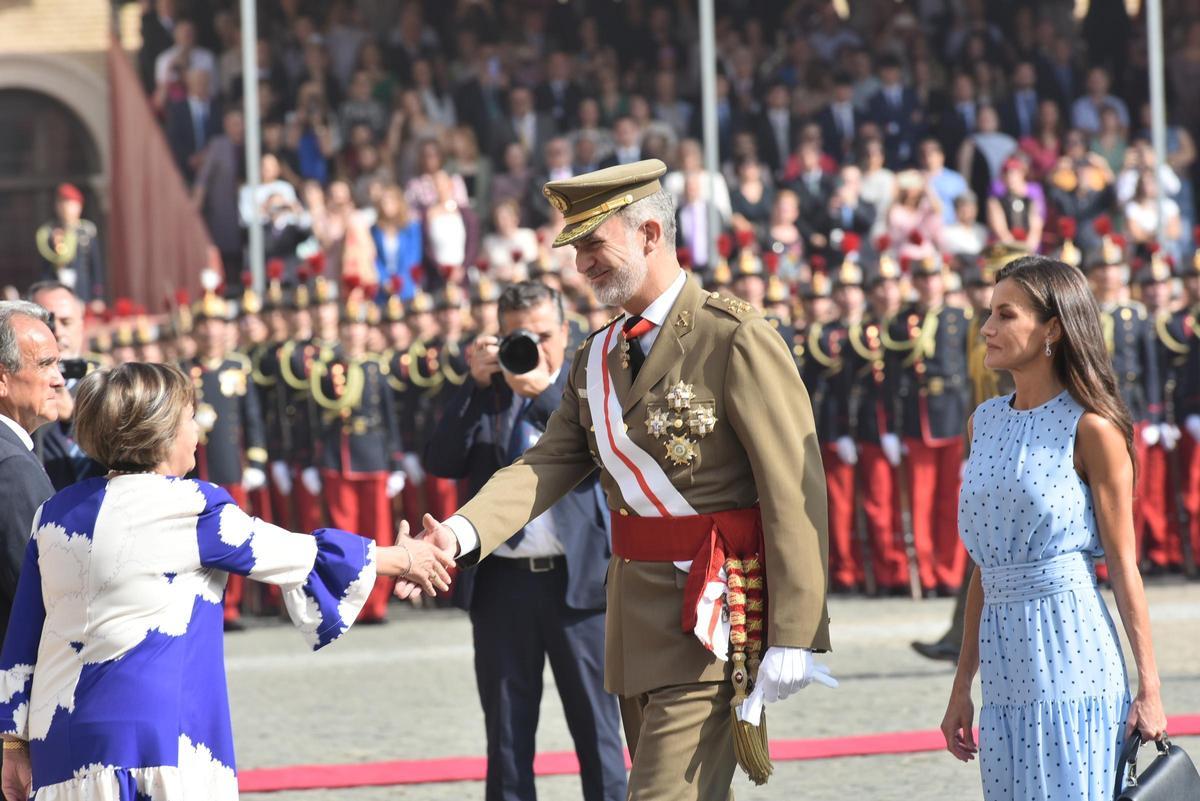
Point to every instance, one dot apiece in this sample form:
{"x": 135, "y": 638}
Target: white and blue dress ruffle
{"x": 113, "y": 667}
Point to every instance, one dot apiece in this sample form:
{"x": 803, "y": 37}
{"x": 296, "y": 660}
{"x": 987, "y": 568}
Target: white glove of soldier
{"x": 413, "y": 469}
{"x": 1150, "y": 435}
{"x": 253, "y": 478}
{"x": 846, "y": 450}
{"x": 891, "y": 448}
{"x": 1170, "y": 435}
{"x": 783, "y": 671}
{"x": 282, "y": 477}
{"x": 311, "y": 479}
{"x": 395, "y": 483}
{"x": 1192, "y": 424}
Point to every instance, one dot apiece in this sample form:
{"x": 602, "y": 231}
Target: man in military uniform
{"x": 1163, "y": 538}
{"x": 315, "y": 318}
{"x": 419, "y": 370}
{"x": 864, "y": 365}
{"x": 70, "y": 247}
{"x": 830, "y": 384}
{"x": 232, "y": 451}
{"x": 703, "y": 431}
{"x": 1130, "y": 339}
{"x": 254, "y": 344}
{"x": 1184, "y": 329}
{"x": 359, "y": 453}
{"x": 485, "y": 309}
{"x": 926, "y": 372}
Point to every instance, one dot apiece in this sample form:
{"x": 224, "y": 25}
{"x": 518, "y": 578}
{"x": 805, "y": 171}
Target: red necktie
{"x": 632, "y": 329}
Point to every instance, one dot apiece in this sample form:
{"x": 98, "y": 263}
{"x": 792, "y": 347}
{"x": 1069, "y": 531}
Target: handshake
{"x": 420, "y": 564}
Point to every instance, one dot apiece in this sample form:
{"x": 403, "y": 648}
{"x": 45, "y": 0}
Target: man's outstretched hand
{"x": 440, "y": 537}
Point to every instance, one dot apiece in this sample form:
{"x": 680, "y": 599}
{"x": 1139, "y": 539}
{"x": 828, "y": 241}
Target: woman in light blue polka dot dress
{"x": 1048, "y": 487}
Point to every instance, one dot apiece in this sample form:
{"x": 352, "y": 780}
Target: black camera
{"x": 520, "y": 351}
{"x": 73, "y": 369}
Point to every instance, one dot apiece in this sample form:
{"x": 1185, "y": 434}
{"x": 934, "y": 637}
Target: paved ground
{"x": 406, "y": 691}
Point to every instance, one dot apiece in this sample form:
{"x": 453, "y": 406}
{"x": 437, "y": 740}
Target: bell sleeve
{"x": 20, "y": 651}
{"x": 325, "y": 578}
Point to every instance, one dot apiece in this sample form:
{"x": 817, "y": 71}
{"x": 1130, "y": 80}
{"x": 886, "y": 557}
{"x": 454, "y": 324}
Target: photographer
{"x": 542, "y": 594}
{"x": 54, "y": 443}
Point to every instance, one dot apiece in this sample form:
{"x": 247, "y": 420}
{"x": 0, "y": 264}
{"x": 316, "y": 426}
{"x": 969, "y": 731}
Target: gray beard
{"x": 621, "y": 284}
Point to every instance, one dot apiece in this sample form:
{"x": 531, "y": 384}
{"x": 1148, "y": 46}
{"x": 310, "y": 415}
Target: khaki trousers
{"x": 681, "y": 743}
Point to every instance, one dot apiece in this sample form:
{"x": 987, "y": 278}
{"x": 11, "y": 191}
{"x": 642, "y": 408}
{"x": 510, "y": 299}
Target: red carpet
{"x": 459, "y": 769}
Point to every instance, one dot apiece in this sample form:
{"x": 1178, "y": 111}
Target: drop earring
{"x": 1048, "y": 351}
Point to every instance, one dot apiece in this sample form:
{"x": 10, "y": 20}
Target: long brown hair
{"x": 1081, "y": 360}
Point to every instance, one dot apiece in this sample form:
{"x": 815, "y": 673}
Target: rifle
{"x": 906, "y": 529}
{"x": 861, "y": 535}
{"x": 1174, "y": 473}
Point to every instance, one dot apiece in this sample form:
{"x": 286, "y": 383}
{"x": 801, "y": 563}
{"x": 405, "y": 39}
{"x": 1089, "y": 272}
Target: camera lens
{"x": 519, "y": 352}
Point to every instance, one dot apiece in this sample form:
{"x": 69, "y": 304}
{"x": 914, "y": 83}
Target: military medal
{"x": 702, "y": 420}
{"x": 681, "y": 450}
{"x": 658, "y": 423}
{"x": 681, "y": 396}
{"x": 624, "y": 353}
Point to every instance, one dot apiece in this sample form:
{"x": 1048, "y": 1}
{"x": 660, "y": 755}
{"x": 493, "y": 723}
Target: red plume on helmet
{"x": 394, "y": 284}
{"x": 302, "y": 274}
{"x": 851, "y": 242}
{"x": 417, "y": 273}
{"x": 123, "y": 307}
{"x": 724, "y": 245}
{"x": 916, "y": 238}
{"x": 482, "y": 264}
{"x": 771, "y": 260}
{"x": 1019, "y": 233}
{"x": 817, "y": 262}
{"x": 316, "y": 262}
{"x": 275, "y": 269}
{"x": 745, "y": 238}
{"x": 1102, "y": 225}
{"x": 446, "y": 270}
{"x": 883, "y": 243}
{"x": 351, "y": 282}
{"x": 247, "y": 278}
{"x": 1067, "y": 227}
{"x": 905, "y": 264}
{"x": 517, "y": 255}
{"x": 1118, "y": 240}
{"x": 182, "y": 298}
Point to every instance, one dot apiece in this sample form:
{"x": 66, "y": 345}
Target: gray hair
{"x": 660, "y": 206}
{"x": 10, "y": 351}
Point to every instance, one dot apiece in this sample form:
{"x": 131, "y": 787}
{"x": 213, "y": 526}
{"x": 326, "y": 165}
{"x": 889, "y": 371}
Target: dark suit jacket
{"x": 504, "y": 132}
{"x": 181, "y": 132}
{"x": 561, "y": 108}
{"x": 901, "y": 124}
{"x": 26, "y": 487}
{"x": 768, "y": 146}
{"x": 471, "y": 442}
{"x": 835, "y": 145}
{"x": 1010, "y": 119}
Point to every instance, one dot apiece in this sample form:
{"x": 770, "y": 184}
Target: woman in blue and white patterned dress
{"x": 1048, "y": 487}
{"x": 112, "y": 676}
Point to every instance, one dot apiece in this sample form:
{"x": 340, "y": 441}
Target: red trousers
{"x": 883, "y": 518}
{"x": 441, "y": 497}
{"x": 236, "y": 584}
{"x": 309, "y": 516}
{"x": 845, "y": 562}
{"x": 361, "y": 505}
{"x": 934, "y": 476}
{"x": 1189, "y": 476}
{"x": 281, "y": 507}
{"x": 1156, "y": 528}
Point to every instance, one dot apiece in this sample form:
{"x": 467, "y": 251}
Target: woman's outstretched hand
{"x": 418, "y": 562}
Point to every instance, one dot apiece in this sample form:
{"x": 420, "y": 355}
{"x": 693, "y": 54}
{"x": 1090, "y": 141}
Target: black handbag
{"x": 1170, "y": 777}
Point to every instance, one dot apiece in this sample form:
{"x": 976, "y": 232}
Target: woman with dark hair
{"x": 1048, "y": 488}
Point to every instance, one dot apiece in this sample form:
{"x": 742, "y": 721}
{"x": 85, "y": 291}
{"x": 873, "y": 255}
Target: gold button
{"x": 678, "y": 422}
{"x": 626, "y": 561}
{"x": 714, "y": 294}
{"x": 592, "y": 429}
{"x": 624, "y": 513}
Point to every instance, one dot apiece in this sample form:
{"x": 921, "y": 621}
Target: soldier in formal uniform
{"x": 1130, "y": 338}
{"x": 816, "y": 308}
{"x": 315, "y": 316}
{"x": 232, "y": 450}
{"x": 926, "y": 372}
{"x": 1163, "y": 538}
{"x": 707, "y": 449}
{"x": 864, "y": 364}
{"x": 419, "y": 369}
{"x": 1184, "y": 408}
{"x": 70, "y": 247}
{"x": 254, "y": 345}
{"x": 829, "y": 380}
{"x": 485, "y": 315}
{"x": 359, "y": 453}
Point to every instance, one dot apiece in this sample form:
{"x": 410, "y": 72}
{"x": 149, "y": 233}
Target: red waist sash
{"x": 706, "y": 540}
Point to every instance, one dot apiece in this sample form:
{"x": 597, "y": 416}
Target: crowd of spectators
{"x": 409, "y": 140}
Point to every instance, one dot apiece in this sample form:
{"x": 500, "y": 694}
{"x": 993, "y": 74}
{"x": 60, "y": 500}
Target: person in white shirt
{"x": 174, "y": 62}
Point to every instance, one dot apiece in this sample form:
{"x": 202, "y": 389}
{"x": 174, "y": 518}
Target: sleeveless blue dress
{"x": 1055, "y": 691}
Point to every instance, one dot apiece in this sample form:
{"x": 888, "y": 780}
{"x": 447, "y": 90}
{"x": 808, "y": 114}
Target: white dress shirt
{"x": 656, "y": 312}
{"x": 21, "y": 433}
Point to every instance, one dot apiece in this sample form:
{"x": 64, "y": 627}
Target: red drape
{"x": 158, "y": 242}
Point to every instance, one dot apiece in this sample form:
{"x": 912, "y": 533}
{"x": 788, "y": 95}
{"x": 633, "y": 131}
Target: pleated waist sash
{"x": 1026, "y": 581}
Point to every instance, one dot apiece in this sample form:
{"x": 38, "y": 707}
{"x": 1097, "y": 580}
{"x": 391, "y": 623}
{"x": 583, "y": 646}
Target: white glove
{"x": 1170, "y": 435}
{"x": 253, "y": 478}
{"x": 311, "y": 479}
{"x": 891, "y": 448}
{"x": 1150, "y": 435}
{"x": 783, "y": 671}
{"x": 395, "y": 483}
{"x": 413, "y": 469}
{"x": 282, "y": 477}
{"x": 1192, "y": 424}
{"x": 846, "y": 450}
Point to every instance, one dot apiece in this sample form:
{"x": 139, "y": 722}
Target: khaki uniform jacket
{"x": 762, "y": 449}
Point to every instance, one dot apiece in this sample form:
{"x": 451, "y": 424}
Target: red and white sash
{"x": 645, "y": 485}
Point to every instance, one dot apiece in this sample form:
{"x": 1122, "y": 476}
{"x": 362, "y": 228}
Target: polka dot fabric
{"x": 1055, "y": 692}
